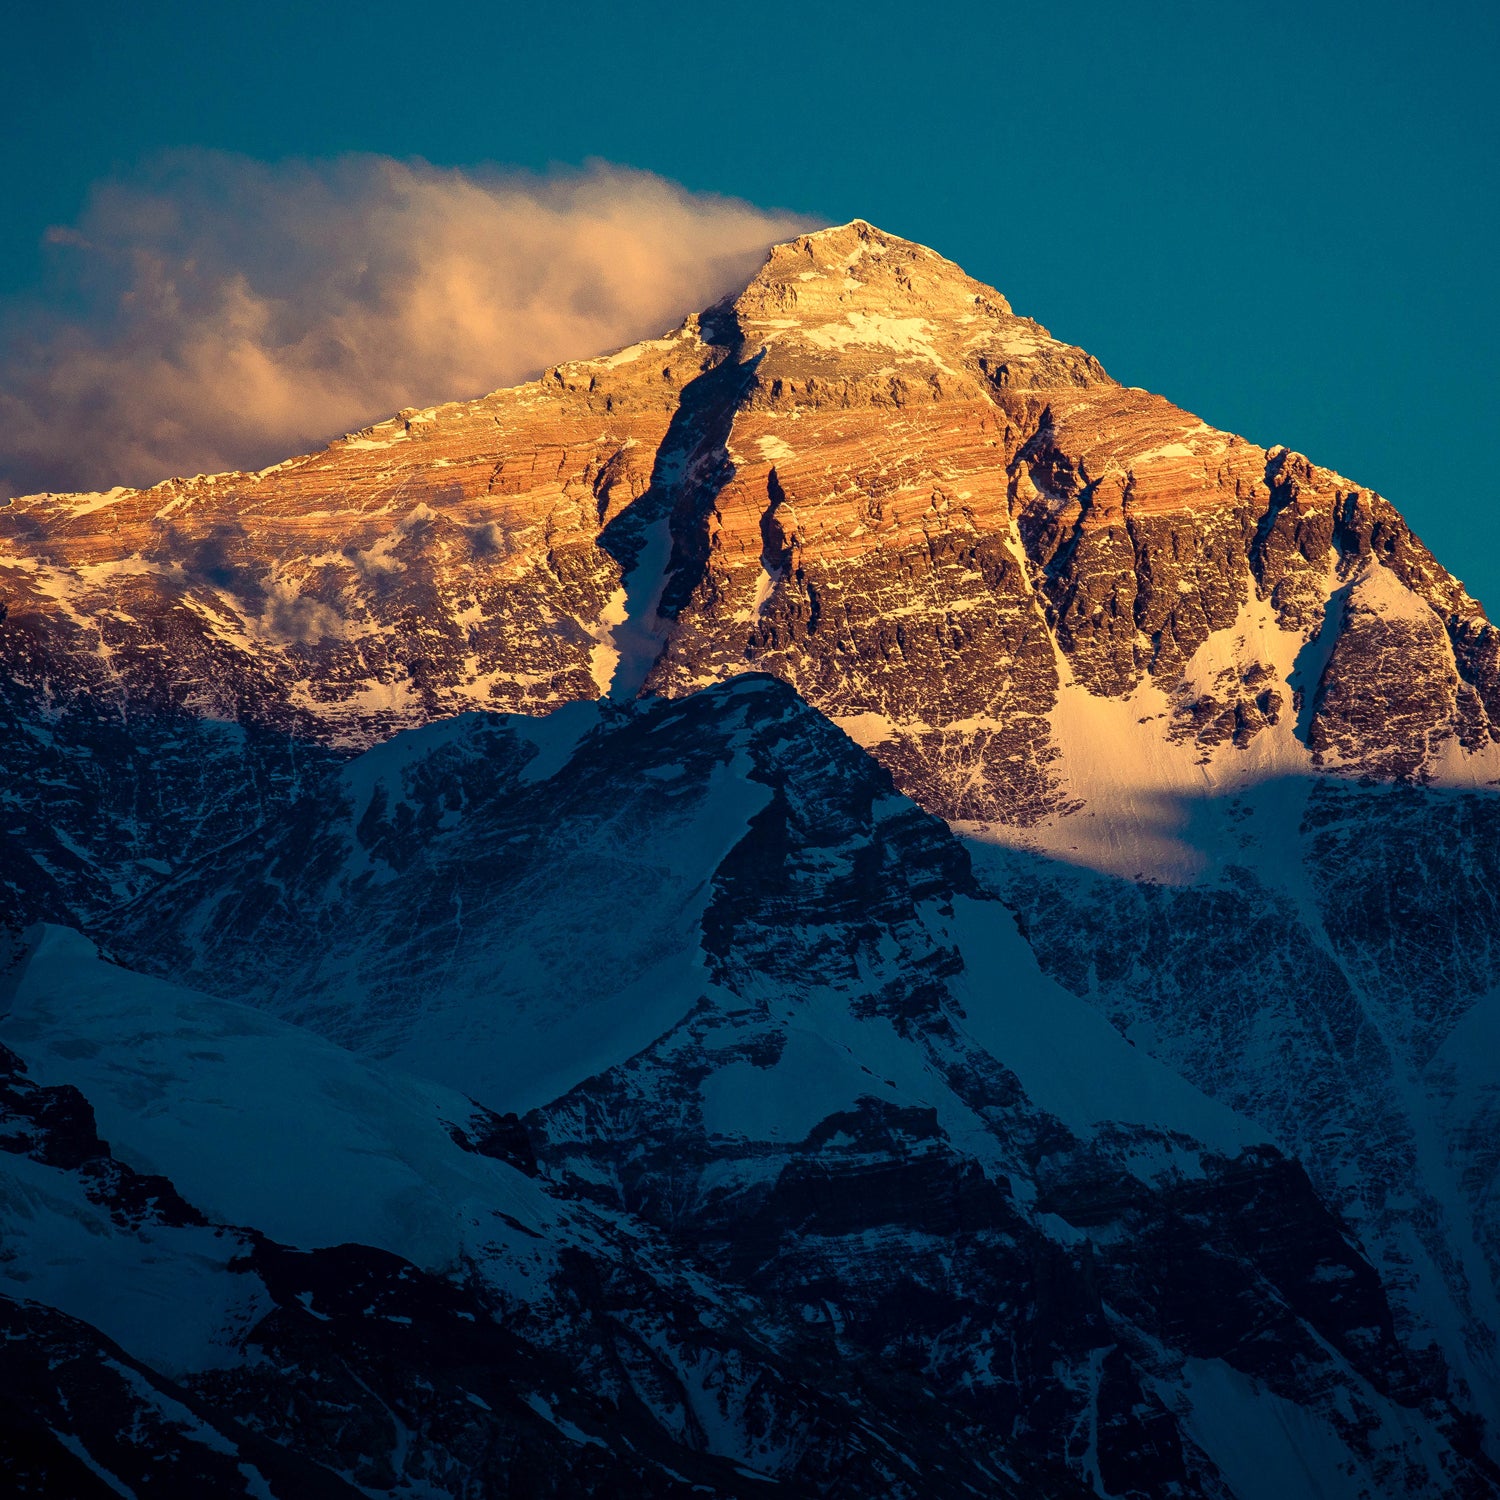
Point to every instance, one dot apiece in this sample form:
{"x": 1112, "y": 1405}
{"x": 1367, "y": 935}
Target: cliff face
{"x": 1128, "y": 1089}
{"x": 934, "y": 520}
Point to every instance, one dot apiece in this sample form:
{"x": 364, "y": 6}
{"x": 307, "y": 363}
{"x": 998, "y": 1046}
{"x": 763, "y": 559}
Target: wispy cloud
{"x": 217, "y": 312}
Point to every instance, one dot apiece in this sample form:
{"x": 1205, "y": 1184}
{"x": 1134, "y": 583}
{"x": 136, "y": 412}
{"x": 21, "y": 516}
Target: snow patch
{"x": 1138, "y": 788}
{"x": 773, "y": 449}
{"x": 877, "y": 330}
{"x": 867, "y": 729}
{"x": 630, "y": 633}
{"x": 1070, "y": 1060}
{"x": 257, "y": 1122}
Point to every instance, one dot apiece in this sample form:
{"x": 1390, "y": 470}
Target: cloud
{"x": 215, "y": 312}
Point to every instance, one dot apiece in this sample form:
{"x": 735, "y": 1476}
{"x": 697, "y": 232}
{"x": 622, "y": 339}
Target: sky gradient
{"x": 1285, "y": 221}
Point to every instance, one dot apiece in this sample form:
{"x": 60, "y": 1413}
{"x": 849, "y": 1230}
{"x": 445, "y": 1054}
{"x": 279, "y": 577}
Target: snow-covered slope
{"x": 262, "y": 1124}
{"x": 393, "y": 1239}
{"x": 813, "y": 1049}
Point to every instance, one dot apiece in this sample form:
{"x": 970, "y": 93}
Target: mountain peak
{"x": 858, "y": 267}
{"x": 837, "y": 243}
{"x": 853, "y": 305}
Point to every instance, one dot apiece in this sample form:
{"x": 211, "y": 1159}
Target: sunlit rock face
{"x": 864, "y": 474}
{"x": 934, "y": 520}
{"x": 851, "y": 905}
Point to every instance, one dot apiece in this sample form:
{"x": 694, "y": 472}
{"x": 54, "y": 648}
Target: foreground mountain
{"x": 1076, "y": 1076}
{"x": 819, "y": 1090}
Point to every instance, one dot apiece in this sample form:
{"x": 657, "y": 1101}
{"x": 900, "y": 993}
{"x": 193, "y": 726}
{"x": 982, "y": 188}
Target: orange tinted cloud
{"x": 224, "y": 313}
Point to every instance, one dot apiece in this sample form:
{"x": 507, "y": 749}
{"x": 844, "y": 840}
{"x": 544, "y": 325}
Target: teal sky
{"x": 1282, "y": 216}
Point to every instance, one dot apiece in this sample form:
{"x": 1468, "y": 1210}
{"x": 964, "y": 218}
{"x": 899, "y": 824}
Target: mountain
{"x": 870, "y": 911}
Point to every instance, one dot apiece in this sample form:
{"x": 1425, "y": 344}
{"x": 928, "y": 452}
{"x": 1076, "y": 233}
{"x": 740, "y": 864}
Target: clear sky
{"x": 1283, "y": 216}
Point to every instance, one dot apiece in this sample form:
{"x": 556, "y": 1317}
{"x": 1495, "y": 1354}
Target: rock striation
{"x": 864, "y": 474}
